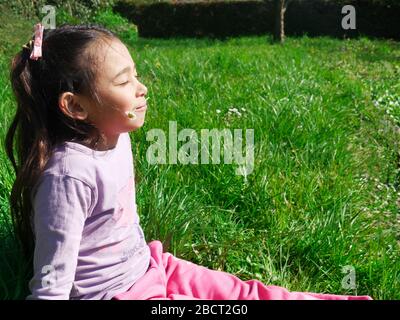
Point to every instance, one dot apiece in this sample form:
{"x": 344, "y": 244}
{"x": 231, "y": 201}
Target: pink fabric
{"x": 37, "y": 46}
{"x": 171, "y": 278}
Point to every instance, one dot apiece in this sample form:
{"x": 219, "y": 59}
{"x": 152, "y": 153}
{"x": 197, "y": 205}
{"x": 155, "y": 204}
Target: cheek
{"x": 124, "y": 99}
{"x": 119, "y": 100}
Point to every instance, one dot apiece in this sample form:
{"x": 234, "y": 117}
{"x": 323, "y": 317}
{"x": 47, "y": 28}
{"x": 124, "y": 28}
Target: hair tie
{"x": 36, "y": 45}
{"x": 28, "y": 45}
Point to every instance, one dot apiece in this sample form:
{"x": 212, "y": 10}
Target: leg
{"x": 172, "y": 278}
{"x": 188, "y": 279}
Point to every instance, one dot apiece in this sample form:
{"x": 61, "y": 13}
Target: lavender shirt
{"x": 88, "y": 241}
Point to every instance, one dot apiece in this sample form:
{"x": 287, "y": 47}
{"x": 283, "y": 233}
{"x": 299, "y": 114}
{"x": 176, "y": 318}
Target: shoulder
{"x": 73, "y": 161}
{"x": 95, "y": 170}
{"x": 53, "y": 192}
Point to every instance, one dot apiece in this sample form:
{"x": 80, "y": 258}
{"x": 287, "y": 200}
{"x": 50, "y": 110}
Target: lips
{"x": 143, "y": 107}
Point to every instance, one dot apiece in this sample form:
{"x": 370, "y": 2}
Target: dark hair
{"x": 68, "y": 63}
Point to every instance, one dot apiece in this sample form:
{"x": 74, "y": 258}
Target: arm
{"x": 60, "y": 206}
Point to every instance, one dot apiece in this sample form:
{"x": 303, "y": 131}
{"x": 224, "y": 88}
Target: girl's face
{"x": 119, "y": 91}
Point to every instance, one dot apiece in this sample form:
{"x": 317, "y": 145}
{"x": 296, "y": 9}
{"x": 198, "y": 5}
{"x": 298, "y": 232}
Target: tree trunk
{"x": 279, "y": 32}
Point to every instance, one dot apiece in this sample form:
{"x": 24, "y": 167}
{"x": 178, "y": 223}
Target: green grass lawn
{"x": 324, "y": 190}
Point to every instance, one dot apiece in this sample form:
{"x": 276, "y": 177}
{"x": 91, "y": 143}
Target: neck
{"x": 105, "y": 143}
{"x": 108, "y": 142}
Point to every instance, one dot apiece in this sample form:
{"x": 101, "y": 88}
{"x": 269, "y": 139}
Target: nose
{"x": 141, "y": 89}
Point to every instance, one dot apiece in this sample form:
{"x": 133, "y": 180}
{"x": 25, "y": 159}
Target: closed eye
{"x": 137, "y": 77}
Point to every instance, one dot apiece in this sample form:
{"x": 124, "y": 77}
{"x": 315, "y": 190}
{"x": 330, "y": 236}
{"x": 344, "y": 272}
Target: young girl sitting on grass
{"x": 73, "y": 201}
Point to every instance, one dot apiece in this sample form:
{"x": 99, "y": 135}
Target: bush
{"x": 126, "y": 30}
{"x": 67, "y": 10}
{"x": 164, "y": 18}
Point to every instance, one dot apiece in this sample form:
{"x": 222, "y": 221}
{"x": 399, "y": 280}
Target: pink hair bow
{"x": 37, "y": 45}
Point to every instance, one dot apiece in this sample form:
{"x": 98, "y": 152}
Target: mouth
{"x": 141, "y": 108}
{"x": 132, "y": 114}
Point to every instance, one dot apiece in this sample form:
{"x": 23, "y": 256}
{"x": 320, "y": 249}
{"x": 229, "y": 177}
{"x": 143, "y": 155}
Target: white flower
{"x": 234, "y": 110}
{"x": 218, "y": 111}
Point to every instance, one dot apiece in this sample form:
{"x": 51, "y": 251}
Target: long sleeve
{"x": 61, "y": 205}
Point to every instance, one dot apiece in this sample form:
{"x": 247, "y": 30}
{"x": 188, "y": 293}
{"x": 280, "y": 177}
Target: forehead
{"x": 112, "y": 57}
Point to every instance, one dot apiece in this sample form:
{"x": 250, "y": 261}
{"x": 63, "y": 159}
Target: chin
{"x": 137, "y": 124}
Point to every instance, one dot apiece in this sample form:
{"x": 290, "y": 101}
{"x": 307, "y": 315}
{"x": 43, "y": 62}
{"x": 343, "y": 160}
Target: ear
{"x": 71, "y": 106}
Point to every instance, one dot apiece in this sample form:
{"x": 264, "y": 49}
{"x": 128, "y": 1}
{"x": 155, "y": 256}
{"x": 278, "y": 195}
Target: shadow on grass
{"x": 198, "y": 43}
{"x": 14, "y": 272}
{"x": 378, "y": 56}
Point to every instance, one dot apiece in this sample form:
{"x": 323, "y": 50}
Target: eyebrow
{"x": 124, "y": 70}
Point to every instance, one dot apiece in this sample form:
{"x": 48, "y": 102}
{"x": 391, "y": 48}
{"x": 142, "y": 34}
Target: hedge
{"x": 163, "y": 19}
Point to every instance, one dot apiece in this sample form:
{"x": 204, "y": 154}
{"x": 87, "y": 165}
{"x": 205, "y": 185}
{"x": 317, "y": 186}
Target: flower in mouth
{"x": 131, "y": 115}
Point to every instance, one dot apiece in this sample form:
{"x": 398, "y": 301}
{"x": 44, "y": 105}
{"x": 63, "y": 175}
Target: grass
{"x": 324, "y": 190}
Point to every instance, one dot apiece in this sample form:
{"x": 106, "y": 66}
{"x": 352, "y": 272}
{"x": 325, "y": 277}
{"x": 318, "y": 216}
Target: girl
{"x": 73, "y": 201}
